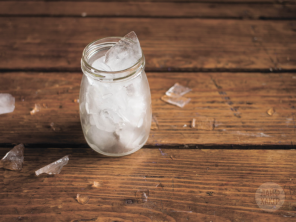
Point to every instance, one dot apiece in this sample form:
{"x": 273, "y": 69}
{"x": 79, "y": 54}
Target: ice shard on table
{"x": 193, "y": 123}
{"x": 175, "y": 94}
{"x": 125, "y": 53}
{"x": 82, "y": 198}
{"x": 177, "y": 90}
{"x": 35, "y": 109}
{"x": 177, "y": 101}
{"x": 7, "y": 102}
{"x": 53, "y": 168}
{"x": 96, "y": 184}
{"x": 142, "y": 195}
{"x": 13, "y": 160}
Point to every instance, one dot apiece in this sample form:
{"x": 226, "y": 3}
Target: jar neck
{"x": 98, "y": 49}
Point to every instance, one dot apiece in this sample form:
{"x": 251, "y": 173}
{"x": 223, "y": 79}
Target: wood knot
{"x": 129, "y": 201}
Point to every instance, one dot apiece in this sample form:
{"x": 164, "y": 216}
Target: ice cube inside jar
{"x": 118, "y": 109}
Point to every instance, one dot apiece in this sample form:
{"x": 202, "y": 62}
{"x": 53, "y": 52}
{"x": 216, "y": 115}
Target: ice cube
{"x": 107, "y": 120}
{"x": 100, "y": 139}
{"x": 100, "y": 97}
{"x": 127, "y": 135}
{"x": 135, "y": 109}
{"x": 13, "y": 160}
{"x": 7, "y": 102}
{"x": 135, "y": 87}
{"x": 130, "y": 90}
{"x": 53, "y": 168}
{"x": 177, "y": 90}
{"x": 136, "y": 102}
{"x": 131, "y": 136}
{"x": 101, "y": 65}
{"x": 177, "y": 101}
{"x": 141, "y": 130}
{"x": 125, "y": 53}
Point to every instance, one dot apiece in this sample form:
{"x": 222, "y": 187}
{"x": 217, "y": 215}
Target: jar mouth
{"x": 97, "y": 47}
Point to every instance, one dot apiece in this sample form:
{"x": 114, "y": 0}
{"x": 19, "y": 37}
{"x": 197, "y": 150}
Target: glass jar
{"x": 115, "y": 107}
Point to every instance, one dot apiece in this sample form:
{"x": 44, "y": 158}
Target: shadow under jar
{"x": 115, "y": 107}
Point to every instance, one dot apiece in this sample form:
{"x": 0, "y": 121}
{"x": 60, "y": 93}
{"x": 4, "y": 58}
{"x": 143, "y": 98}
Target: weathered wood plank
{"x": 198, "y": 185}
{"x": 202, "y": 1}
{"x": 168, "y": 44}
{"x": 237, "y": 101}
{"x": 148, "y": 9}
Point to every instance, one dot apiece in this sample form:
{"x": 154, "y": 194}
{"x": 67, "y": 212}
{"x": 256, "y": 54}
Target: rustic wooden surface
{"x": 238, "y": 56}
{"x": 237, "y": 101}
{"x": 150, "y": 9}
{"x": 202, "y": 1}
{"x": 47, "y": 43}
{"x": 198, "y": 185}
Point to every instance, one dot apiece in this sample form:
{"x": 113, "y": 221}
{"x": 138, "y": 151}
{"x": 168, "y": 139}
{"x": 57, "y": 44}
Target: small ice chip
{"x": 53, "y": 168}
{"x": 82, "y": 198}
{"x": 270, "y": 111}
{"x": 125, "y": 53}
{"x": 142, "y": 195}
{"x": 13, "y": 160}
{"x": 193, "y": 123}
{"x": 177, "y": 101}
{"x": 177, "y": 90}
{"x": 52, "y": 126}
{"x": 107, "y": 120}
{"x": 7, "y": 102}
{"x": 96, "y": 184}
{"x": 174, "y": 95}
{"x": 35, "y": 110}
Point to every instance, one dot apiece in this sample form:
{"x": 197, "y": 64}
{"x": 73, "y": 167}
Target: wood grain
{"x": 202, "y": 1}
{"x": 237, "y": 101}
{"x": 198, "y": 185}
{"x": 168, "y": 44}
{"x": 148, "y": 9}
{"x": 40, "y": 50}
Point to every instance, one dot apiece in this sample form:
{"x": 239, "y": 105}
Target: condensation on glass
{"x": 115, "y": 107}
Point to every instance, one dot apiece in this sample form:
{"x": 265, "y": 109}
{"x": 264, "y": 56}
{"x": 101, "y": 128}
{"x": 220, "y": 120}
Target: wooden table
{"x": 237, "y": 56}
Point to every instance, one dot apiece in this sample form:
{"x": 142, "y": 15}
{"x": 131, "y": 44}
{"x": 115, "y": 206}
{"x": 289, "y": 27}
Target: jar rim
{"x": 96, "y": 72}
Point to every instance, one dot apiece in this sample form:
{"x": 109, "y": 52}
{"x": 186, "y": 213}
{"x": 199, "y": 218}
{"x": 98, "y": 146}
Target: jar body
{"x": 116, "y": 115}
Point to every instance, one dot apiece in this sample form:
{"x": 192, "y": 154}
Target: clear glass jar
{"x": 115, "y": 107}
